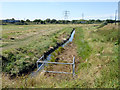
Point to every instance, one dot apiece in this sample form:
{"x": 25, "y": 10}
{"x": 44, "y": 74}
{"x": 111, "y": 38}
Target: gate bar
{"x": 53, "y": 62}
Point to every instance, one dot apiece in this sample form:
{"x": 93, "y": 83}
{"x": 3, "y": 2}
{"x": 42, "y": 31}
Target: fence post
{"x": 73, "y": 66}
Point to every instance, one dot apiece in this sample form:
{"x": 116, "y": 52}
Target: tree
{"x": 67, "y": 21}
{"x": 47, "y": 20}
{"x": 53, "y": 21}
{"x": 110, "y": 21}
{"x": 98, "y": 21}
{"x": 91, "y": 21}
{"x": 12, "y": 19}
{"x": 27, "y": 20}
{"x": 37, "y": 20}
{"x": 74, "y": 21}
{"x": 42, "y": 22}
{"x": 22, "y": 21}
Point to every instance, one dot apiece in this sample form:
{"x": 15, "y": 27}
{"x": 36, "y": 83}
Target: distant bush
{"x": 19, "y": 23}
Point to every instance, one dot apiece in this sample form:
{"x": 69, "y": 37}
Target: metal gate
{"x": 44, "y": 62}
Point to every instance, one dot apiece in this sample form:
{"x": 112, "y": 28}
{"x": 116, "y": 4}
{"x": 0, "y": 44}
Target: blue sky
{"x": 43, "y": 10}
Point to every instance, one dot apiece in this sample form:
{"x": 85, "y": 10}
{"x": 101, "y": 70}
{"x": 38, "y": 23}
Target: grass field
{"x": 14, "y": 36}
{"x": 23, "y": 45}
{"x": 100, "y": 69}
{"x": 96, "y": 51}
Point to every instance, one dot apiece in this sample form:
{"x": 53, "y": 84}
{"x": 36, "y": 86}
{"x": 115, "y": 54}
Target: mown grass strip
{"x": 83, "y": 48}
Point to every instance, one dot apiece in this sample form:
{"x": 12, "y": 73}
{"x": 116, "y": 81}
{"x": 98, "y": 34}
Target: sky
{"x": 55, "y": 10}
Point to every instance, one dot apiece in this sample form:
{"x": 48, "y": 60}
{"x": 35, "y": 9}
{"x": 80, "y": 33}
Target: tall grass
{"x": 104, "y": 56}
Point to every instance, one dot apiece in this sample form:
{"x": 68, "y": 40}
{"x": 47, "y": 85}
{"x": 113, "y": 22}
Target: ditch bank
{"x": 57, "y": 46}
{"x": 47, "y": 55}
{"x": 33, "y": 66}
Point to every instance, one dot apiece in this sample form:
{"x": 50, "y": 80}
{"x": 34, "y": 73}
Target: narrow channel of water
{"x": 70, "y": 40}
{"x": 41, "y": 66}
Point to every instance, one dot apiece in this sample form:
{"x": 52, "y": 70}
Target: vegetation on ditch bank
{"x": 105, "y": 41}
{"x": 22, "y": 60}
{"x": 56, "y": 53}
{"x": 83, "y": 48}
{"x": 100, "y": 69}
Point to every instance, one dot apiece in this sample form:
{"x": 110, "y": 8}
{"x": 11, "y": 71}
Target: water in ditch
{"x": 41, "y": 66}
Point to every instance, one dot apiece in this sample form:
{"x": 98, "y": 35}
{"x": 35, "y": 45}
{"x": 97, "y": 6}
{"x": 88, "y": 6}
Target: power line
{"x": 66, "y": 14}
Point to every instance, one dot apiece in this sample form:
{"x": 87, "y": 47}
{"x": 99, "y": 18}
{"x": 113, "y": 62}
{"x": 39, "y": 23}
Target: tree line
{"x": 54, "y": 21}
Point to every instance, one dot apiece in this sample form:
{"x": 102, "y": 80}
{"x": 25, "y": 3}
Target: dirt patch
{"x": 67, "y": 57}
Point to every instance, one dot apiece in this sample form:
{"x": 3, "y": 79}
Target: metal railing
{"x": 44, "y": 62}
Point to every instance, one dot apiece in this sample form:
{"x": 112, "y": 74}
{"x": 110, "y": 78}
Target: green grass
{"x": 26, "y": 34}
{"x": 56, "y": 53}
{"x": 83, "y": 48}
{"x": 104, "y": 56}
{"x": 97, "y": 52}
{"x": 100, "y": 69}
{"x": 23, "y": 53}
